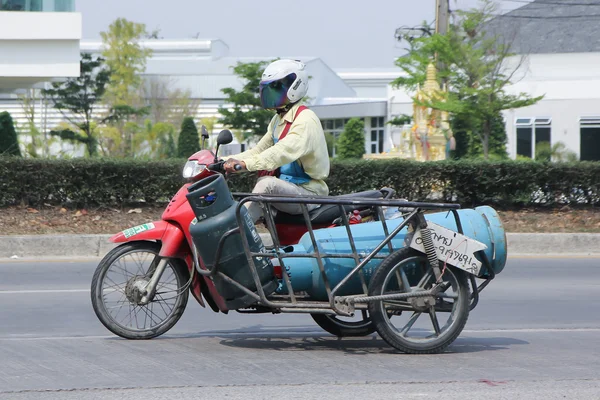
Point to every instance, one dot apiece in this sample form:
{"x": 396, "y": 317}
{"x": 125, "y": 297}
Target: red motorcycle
{"x": 155, "y": 291}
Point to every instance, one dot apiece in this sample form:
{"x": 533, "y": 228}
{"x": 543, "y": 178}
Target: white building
{"x": 562, "y": 52}
{"x": 561, "y": 64}
{"x": 204, "y": 68}
{"x": 38, "y": 44}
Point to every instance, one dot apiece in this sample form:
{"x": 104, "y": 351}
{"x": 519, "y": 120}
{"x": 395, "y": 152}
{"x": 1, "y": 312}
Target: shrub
{"x": 189, "y": 141}
{"x": 9, "y": 144}
{"x": 351, "y": 143}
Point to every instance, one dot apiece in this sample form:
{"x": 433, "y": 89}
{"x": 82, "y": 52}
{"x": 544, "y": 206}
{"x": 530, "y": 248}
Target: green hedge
{"x": 473, "y": 183}
{"x": 113, "y": 183}
{"x": 83, "y": 182}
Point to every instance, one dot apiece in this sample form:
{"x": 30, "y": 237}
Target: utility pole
{"x": 442, "y": 16}
{"x": 442, "y": 24}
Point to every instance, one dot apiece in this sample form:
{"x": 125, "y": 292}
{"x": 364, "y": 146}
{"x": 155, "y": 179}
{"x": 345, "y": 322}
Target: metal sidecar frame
{"x": 413, "y": 214}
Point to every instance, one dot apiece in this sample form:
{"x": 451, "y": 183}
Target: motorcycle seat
{"x": 326, "y": 213}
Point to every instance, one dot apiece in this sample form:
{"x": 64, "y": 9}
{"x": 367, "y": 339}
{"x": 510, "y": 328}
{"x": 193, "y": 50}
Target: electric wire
{"x": 557, "y": 3}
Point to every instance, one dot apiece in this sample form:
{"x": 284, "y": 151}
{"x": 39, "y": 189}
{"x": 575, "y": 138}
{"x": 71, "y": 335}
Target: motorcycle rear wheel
{"x": 342, "y": 328}
{"x": 406, "y": 271}
{"x": 114, "y": 280}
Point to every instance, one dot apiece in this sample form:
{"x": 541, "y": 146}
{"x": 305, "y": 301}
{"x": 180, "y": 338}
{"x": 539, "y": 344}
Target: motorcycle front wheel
{"x": 117, "y": 290}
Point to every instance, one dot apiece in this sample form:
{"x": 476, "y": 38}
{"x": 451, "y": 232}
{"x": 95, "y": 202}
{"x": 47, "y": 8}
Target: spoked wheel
{"x": 118, "y": 288}
{"x": 428, "y": 324}
{"x": 360, "y": 325}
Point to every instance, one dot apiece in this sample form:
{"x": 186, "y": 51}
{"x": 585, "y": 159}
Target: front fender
{"x": 172, "y": 238}
{"x": 149, "y": 231}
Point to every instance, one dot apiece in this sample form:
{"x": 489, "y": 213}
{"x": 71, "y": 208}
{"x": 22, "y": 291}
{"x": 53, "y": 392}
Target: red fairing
{"x": 174, "y": 244}
{"x": 173, "y": 211}
{"x": 203, "y": 157}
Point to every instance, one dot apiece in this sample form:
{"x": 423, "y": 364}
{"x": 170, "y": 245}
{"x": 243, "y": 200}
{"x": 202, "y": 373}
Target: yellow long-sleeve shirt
{"x": 305, "y": 143}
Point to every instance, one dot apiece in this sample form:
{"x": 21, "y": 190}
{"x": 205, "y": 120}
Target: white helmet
{"x": 283, "y": 82}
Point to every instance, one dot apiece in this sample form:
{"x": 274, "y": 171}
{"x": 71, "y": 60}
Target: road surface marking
{"x": 44, "y": 291}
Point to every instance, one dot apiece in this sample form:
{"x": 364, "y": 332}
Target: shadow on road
{"x": 294, "y": 338}
{"x": 366, "y": 345}
{"x": 474, "y": 345}
{"x": 302, "y": 338}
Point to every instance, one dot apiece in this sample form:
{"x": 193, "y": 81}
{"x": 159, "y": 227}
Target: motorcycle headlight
{"x": 192, "y": 169}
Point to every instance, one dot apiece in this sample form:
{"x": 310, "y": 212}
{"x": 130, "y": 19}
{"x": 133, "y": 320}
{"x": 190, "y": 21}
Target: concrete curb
{"x": 74, "y": 246}
{"x": 32, "y": 246}
{"x": 576, "y": 244}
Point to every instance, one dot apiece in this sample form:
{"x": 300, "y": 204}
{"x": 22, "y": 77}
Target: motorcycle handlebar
{"x": 218, "y": 167}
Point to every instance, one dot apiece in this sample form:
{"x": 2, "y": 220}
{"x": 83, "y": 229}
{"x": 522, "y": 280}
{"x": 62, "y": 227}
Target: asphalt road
{"x": 535, "y": 334}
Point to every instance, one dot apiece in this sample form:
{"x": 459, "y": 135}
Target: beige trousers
{"x": 271, "y": 185}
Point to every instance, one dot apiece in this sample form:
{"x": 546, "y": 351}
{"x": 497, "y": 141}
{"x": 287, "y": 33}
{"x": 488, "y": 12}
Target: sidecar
{"x": 412, "y": 274}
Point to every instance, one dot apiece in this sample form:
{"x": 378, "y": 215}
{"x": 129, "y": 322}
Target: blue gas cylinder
{"x": 482, "y": 224}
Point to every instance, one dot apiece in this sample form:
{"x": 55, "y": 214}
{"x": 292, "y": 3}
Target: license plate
{"x": 451, "y": 247}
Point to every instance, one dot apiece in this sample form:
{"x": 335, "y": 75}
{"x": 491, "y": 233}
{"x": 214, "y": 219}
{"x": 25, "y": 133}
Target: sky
{"x": 346, "y": 34}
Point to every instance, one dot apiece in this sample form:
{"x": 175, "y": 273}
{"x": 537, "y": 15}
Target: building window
{"x": 376, "y": 135}
{"x": 334, "y": 127}
{"x": 64, "y": 5}
{"x": 589, "y": 128}
{"x": 38, "y": 5}
{"x": 530, "y": 132}
{"x": 13, "y": 5}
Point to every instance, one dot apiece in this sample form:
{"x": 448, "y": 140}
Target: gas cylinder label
{"x": 255, "y": 235}
{"x": 198, "y": 219}
{"x": 252, "y": 228}
{"x": 451, "y": 247}
{"x": 137, "y": 229}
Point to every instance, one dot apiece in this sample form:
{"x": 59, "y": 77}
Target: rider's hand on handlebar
{"x": 232, "y": 166}
{"x": 217, "y": 167}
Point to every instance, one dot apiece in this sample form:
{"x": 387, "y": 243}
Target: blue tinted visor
{"x": 273, "y": 94}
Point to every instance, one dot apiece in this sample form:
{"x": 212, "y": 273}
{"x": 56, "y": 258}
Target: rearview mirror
{"x": 204, "y": 136}
{"x": 225, "y": 137}
{"x": 204, "y": 132}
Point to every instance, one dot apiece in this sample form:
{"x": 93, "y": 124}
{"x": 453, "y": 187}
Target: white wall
{"x": 565, "y": 116}
{"x": 369, "y": 83}
{"x": 38, "y": 46}
{"x": 368, "y": 91}
{"x": 570, "y": 84}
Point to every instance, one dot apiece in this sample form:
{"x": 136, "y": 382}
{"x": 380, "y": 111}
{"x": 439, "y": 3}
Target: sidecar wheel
{"x": 408, "y": 270}
{"x": 115, "y": 291}
{"x": 342, "y": 328}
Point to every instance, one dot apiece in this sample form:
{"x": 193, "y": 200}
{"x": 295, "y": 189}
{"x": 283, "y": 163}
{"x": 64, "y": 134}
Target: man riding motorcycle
{"x": 292, "y": 157}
